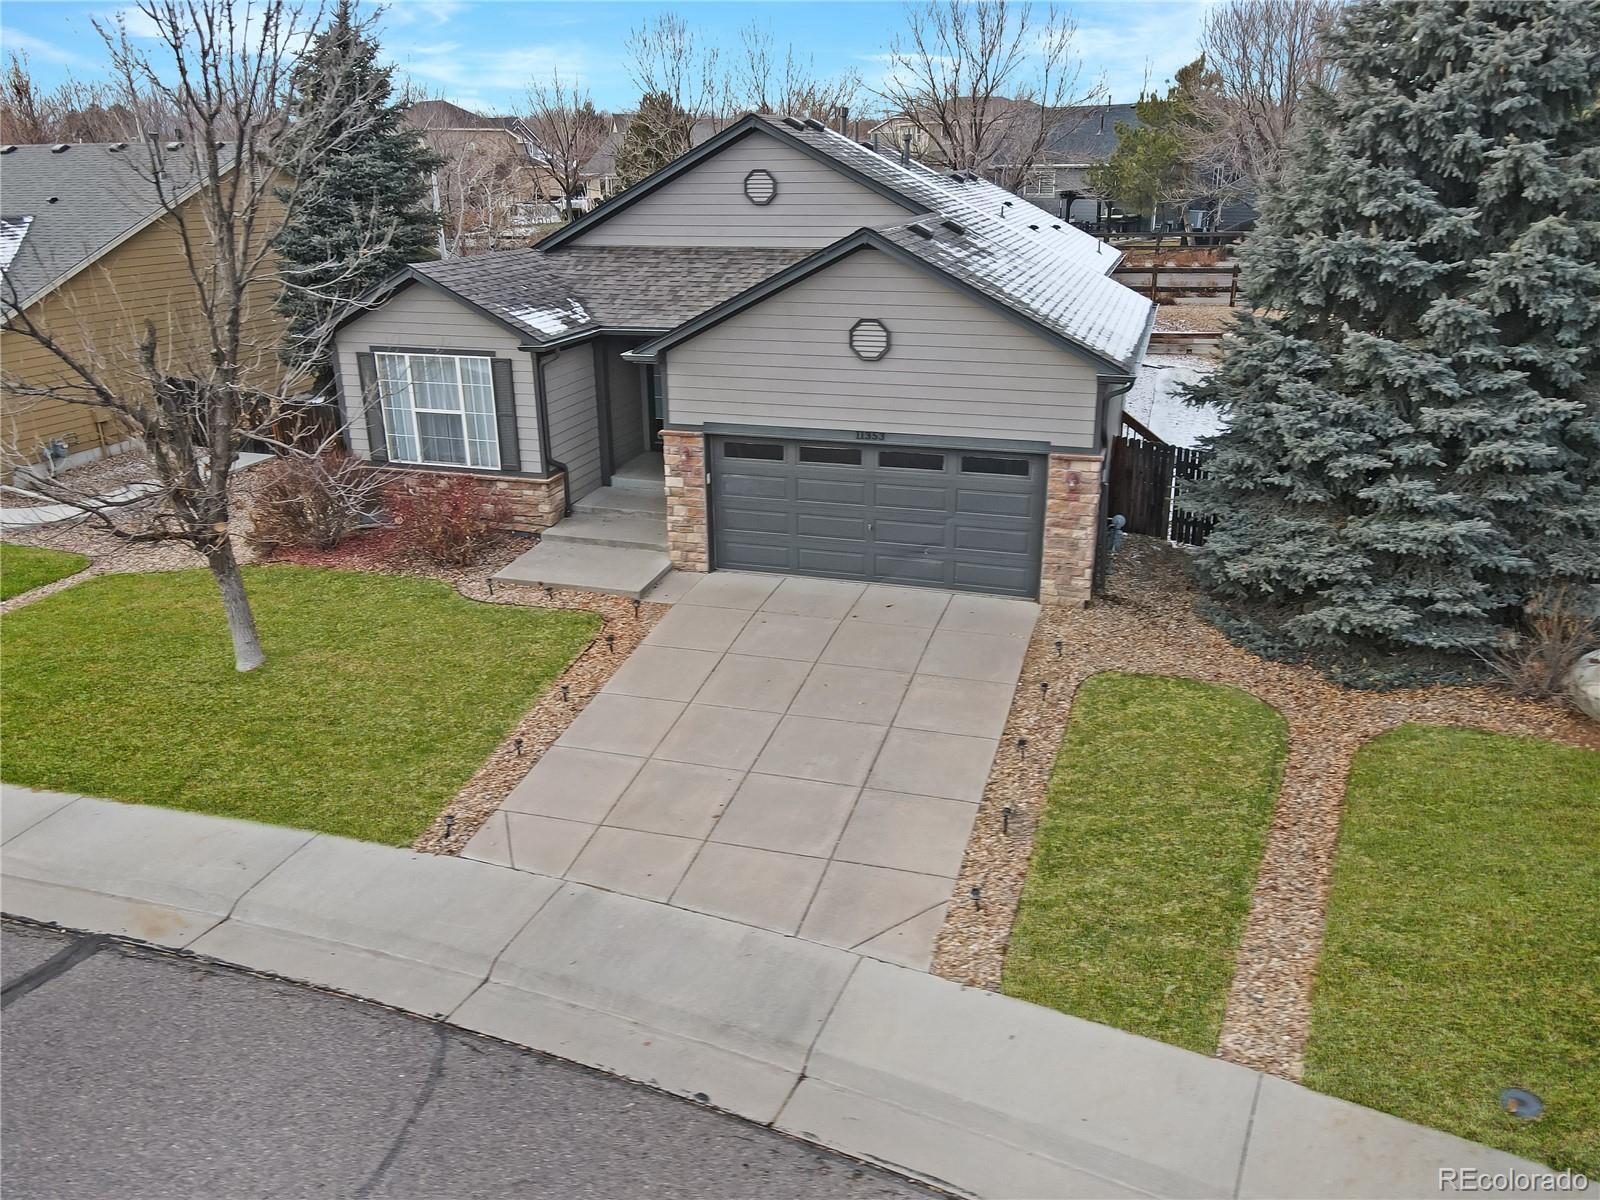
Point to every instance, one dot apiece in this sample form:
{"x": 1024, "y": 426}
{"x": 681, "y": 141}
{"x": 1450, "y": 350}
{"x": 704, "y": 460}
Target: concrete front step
{"x": 624, "y": 500}
{"x": 614, "y": 570}
{"x": 622, "y": 530}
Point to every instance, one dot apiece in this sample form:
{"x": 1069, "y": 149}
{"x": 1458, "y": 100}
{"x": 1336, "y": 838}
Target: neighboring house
{"x": 91, "y": 253}
{"x": 855, "y": 368}
{"x": 492, "y": 189}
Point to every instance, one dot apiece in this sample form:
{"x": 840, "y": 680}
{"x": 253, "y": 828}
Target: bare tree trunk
{"x": 247, "y": 652}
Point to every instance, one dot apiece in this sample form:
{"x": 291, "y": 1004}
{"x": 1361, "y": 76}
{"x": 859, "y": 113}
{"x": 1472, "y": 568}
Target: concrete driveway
{"x": 802, "y": 755}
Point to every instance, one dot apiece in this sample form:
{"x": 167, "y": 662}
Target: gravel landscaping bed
{"x": 1147, "y": 624}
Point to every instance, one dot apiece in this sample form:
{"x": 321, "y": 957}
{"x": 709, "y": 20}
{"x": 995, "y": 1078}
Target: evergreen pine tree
{"x": 366, "y": 212}
{"x": 1413, "y": 439}
{"x": 658, "y": 133}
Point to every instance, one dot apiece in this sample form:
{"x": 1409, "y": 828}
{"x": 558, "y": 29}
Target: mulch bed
{"x": 1147, "y": 624}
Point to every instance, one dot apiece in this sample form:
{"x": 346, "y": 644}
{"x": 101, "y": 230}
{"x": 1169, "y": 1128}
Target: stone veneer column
{"x": 684, "y": 460}
{"x": 1071, "y": 517}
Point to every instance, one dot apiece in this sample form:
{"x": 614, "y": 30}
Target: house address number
{"x": 868, "y": 435}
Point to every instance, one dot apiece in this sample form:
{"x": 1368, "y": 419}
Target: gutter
{"x": 541, "y": 412}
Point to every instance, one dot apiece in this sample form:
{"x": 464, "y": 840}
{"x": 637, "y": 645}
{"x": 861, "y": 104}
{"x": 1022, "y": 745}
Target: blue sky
{"x": 481, "y": 53}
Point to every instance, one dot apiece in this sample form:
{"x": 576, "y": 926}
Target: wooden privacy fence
{"x": 1147, "y": 489}
{"x": 1218, "y": 280}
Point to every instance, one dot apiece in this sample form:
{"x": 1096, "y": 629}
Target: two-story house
{"x": 785, "y": 352}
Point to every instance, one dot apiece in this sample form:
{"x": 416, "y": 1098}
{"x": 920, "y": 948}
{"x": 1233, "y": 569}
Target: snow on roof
{"x": 1012, "y": 251}
{"x": 552, "y": 319}
{"x": 12, "y": 231}
{"x": 1155, "y": 399}
{"x": 968, "y": 197}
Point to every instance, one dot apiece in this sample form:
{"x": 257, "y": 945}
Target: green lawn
{"x": 1146, "y": 856}
{"x": 23, "y": 568}
{"x": 1463, "y": 944}
{"x": 379, "y": 699}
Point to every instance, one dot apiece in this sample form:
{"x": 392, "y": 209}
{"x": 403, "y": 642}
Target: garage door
{"x": 971, "y": 520}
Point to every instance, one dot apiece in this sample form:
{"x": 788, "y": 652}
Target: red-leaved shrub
{"x": 450, "y": 520}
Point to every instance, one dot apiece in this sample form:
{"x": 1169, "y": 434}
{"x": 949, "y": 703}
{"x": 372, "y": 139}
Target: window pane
{"x": 394, "y": 387}
{"x": 477, "y": 397}
{"x": 981, "y": 464}
{"x": 771, "y": 452}
{"x": 839, "y": 456}
{"x": 911, "y": 459}
{"x": 442, "y": 441}
{"x": 434, "y": 381}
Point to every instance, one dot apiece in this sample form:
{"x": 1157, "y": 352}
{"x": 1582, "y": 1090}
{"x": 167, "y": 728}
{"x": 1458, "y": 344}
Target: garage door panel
{"x": 923, "y": 526}
{"x": 924, "y": 498}
{"x": 754, "y": 486}
{"x": 848, "y": 528}
{"x": 1002, "y": 541}
{"x": 756, "y": 520}
{"x": 896, "y": 568}
{"x": 840, "y": 563}
{"x": 909, "y": 533}
{"x": 994, "y": 503}
{"x": 774, "y": 556}
{"x": 831, "y": 491}
{"x": 991, "y": 577}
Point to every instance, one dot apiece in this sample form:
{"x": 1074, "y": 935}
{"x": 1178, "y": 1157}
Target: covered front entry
{"x": 971, "y": 520}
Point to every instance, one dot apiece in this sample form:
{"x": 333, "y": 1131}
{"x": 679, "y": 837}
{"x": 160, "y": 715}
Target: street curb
{"x": 974, "y": 1091}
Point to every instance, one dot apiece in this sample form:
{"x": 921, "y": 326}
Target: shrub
{"x": 1558, "y": 628}
{"x": 450, "y": 521}
{"x": 307, "y": 502}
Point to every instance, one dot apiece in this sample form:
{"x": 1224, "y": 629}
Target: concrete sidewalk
{"x": 978, "y": 1092}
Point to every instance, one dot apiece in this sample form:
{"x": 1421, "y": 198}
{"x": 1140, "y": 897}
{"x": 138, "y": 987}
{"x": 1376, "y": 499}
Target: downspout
{"x": 541, "y": 412}
{"x": 1103, "y": 544}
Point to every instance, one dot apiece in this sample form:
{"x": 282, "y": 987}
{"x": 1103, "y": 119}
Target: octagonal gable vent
{"x": 869, "y": 339}
{"x": 760, "y": 187}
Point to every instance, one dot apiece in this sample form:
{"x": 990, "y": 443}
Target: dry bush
{"x": 450, "y": 521}
{"x": 307, "y": 502}
{"x": 1558, "y": 629}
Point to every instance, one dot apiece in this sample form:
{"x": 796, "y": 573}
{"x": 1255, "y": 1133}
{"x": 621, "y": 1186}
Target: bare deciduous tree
{"x": 567, "y": 132}
{"x": 193, "y": 391}
{"x": 74, "y": 111}
{"x": 790, "y": 87}
{"x": 1262, "y": 58}
{"x": 985, "y": 82}
{"x": 681, "y": 81}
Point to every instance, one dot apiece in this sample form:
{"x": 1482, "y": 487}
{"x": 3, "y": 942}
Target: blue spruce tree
{"x": 362, "y": 213}
{"x": 1413, "y": 440}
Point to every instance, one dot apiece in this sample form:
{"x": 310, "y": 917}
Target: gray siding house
{"x": 784, "y": 352}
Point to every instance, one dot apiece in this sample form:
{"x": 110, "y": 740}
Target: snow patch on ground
{"x": 552, "y": 319}
{"x": 1154, "y": 399}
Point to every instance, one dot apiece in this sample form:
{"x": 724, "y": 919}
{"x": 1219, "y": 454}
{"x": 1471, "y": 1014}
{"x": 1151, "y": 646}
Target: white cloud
{"x": 423, "y": 12}
{"x": 1146, "y": 40}
{"x": 455, "y": 65}
{"x": 37, "y": 47}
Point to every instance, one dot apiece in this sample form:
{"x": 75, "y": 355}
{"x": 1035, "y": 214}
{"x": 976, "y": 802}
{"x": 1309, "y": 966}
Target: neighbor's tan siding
{"x": 100, "y": 314}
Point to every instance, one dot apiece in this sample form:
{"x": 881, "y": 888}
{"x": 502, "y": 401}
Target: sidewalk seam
{"x": 805, "y": 1063}
{"x": 1249, "y": 1128}
{"x": 266, "y": 875}
{"x": 500, "y": 953}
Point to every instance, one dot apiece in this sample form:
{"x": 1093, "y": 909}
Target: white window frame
{"x": 406, "y": 402}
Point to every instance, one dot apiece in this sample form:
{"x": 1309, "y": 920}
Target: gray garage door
{"x": 965, "y": 519}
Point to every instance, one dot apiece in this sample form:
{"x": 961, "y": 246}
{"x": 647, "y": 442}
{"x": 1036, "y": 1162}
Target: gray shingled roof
{"x": 83, "y": 200}
{"x": 1087, "y": 134}
{"x": 552, "y": 295}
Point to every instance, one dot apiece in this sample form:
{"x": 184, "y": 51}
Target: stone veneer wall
{"x": 533, "y": 504}
{"x": 684, "y": 456}
{"x": 1071, "y": 517}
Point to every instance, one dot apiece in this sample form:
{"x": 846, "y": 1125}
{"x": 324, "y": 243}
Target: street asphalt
{"x": 132, "y": 1074}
